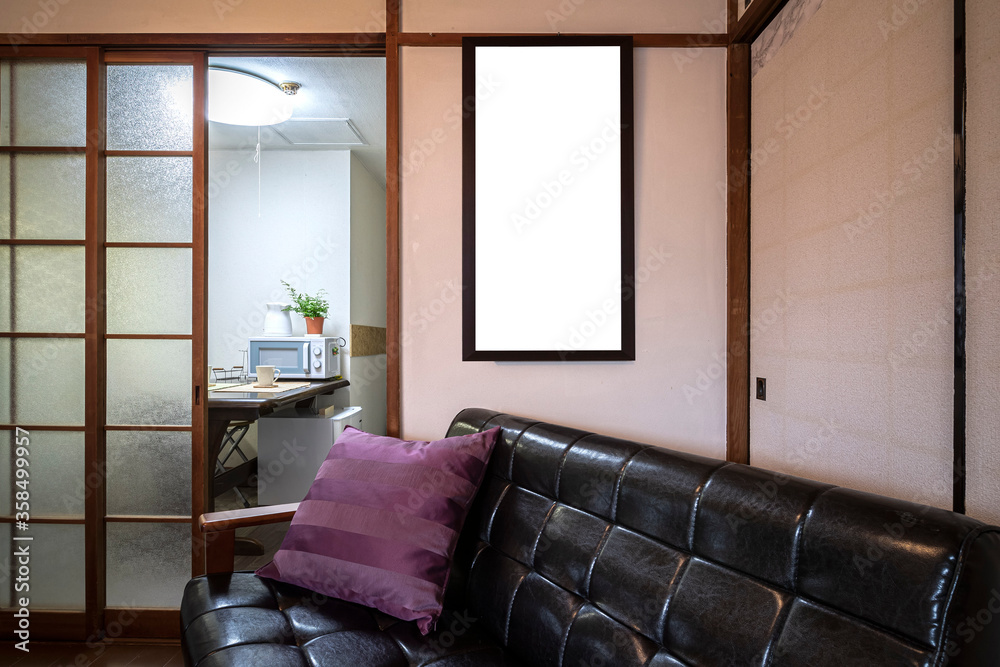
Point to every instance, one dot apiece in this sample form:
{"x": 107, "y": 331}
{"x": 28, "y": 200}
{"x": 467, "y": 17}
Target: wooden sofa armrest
{"x": 219, "y": 530}
{"x": 251, "y": 516}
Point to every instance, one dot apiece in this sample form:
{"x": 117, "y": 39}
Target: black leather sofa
{"x": 584, "y": 550}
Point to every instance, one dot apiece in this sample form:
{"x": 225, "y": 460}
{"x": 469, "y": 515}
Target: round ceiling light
{"x": 237, "y": 98}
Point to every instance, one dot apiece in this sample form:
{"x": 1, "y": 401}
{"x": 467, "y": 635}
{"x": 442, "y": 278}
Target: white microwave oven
{"x": 297, "y": 357}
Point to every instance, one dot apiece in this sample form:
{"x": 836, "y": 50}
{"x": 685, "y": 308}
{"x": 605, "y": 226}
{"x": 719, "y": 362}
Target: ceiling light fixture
{"x": 238, "y": 98}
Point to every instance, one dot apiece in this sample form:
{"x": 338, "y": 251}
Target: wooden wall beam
{"x": 738, "y": 253}
{"x": 639, "y": 40}
{"x": 95, "y": 352}
{"x": 392, "y": 192}
{"x": 340, "y": 41}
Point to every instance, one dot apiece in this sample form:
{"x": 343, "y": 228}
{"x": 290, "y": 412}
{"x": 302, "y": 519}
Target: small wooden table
{"x": 226, "y": 407}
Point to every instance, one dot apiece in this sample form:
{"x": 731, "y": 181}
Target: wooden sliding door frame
{"x": 97, "y": 620}
{"x": 742, "y": 31}
{"x": 145, "y": 622}
{"x": 74, "y": 624}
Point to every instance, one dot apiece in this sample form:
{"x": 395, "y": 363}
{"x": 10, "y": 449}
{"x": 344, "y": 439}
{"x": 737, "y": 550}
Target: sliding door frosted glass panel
{"x": 47, "y": 294}
{"x": 149, "y": 382}
{"x": 148, "y": 564}
{"x": 43, "y": 102}
{"x": 150, "y": 107}
{"x": 149, "y": 199}
{"x": 149, "y": 290}
{"x": 43, "y": 196}
{"x": 42, "y": 381}
{"x": 56, "y": 484}
{"x": 149, "y": 473}
{"x": 57, "y": 574}
{"x": 6, "y": 298}
{"x": 6, "y": 558}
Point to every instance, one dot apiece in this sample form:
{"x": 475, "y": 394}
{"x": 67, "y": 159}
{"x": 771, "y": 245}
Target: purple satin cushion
{"x": 381, "y": 520}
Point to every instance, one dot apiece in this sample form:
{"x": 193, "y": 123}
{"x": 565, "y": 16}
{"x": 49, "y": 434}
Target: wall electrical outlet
{"x": 761, "y": 389}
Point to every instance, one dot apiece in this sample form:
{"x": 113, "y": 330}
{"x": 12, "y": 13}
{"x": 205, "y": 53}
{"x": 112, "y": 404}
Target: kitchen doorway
{"x": 302, "y": 202}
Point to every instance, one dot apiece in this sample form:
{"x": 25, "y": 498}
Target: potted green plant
{"x": 313, "y": 308}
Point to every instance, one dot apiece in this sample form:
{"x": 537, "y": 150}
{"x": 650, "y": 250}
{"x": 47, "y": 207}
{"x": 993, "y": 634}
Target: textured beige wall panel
{"x": 850, "y": 250}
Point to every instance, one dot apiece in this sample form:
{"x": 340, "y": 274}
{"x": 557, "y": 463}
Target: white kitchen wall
{"x": 368, "y": 373}
{"x": 300, "y": 234}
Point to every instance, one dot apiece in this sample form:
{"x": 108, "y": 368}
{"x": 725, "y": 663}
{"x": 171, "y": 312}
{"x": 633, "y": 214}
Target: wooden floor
{"x": 116, "y": 654}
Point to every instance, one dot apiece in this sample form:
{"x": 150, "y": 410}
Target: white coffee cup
{"x": 267, "y": 375}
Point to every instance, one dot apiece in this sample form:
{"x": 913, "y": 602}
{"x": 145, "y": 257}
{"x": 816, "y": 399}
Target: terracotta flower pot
{"x": 314, "y": 325}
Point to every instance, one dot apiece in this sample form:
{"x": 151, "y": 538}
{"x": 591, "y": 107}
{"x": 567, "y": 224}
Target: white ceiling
{"x": 332, "y": 88}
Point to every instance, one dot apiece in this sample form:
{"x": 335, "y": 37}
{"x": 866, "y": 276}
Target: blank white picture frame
{"x": 548, "y": 199}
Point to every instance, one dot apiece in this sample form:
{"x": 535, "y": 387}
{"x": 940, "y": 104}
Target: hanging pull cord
{"x": 256, "y": 159}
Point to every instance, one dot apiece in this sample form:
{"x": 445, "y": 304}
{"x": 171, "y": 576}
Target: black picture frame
{"x": 492, "y": 314}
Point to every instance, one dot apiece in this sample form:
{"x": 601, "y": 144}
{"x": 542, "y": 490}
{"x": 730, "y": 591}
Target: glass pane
{"x": 6, "y": 307}
{"x": 149, "y": 199}
{"x": 148, "y": 564}
{"x": 149, "y": 290}
{"x": 48, "y": 294}
{"x": 149, "y": 382}
{"x": 49, "y": 196}
{"x": 6, "y": 386}
{"x": 57, "y": 574}
{"x": 56, "y": 482}
{"x": 149, "y": 472}
{"x": 43, "y": 103}
{"x": 47, "y": 382}
{"x": 150, "y": 107}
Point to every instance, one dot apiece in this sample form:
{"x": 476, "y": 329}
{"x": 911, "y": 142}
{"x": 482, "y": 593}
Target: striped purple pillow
{"x": 381, "y": 520}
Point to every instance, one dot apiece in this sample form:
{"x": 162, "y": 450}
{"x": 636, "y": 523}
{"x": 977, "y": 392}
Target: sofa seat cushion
{"x": 239, "y": 619}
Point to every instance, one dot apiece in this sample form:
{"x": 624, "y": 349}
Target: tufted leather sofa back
{"x": 585, "y": 550}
